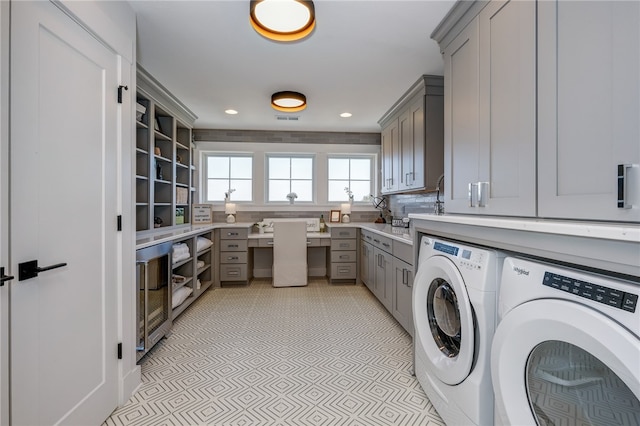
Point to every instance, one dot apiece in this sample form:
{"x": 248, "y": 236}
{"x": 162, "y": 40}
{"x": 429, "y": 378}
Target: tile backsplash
{"x": 400, "y": 205}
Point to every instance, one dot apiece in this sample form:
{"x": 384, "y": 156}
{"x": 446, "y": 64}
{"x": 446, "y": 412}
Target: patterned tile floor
{"x": 257, "y": 355}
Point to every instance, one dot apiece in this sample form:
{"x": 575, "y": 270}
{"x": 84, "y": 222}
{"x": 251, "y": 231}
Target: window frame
{"x": 205, "y": 168}
{"x": 267, "y": 179}
{"x": 372, "y": 175}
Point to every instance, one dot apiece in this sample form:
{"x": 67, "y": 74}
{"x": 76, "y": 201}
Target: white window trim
{"x": 372, "y": 174}
{"x": 314, "y": 177}
{"x": 205, "y": 174}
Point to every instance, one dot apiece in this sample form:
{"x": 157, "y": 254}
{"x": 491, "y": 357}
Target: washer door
{"x": 559, "y": 362}
{"x": 444, "y": 322}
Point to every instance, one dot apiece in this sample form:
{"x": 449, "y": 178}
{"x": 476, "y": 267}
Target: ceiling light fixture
{"x": 282, "y": 20}
{"x": 288, "y": 101}
{"x": 345, "y": 115}
{"x": 231, "y": 111}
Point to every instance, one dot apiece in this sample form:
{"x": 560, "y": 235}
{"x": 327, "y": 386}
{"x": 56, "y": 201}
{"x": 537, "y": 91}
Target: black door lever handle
{"x": 4, "y": 277}
{"x": 31, "y": 269}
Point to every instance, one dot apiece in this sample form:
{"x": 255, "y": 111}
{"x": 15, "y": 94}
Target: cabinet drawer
{"x": 343, "y": 256}
{"x": 382, "y": 243}
{"x": 343, "y": 245}
{"x": 233, "y": 257}
{"x": 233, "y": 245}
{"x": 313, "y": 242}
{"x": 403, "y": 251}
{"x": 343, "y": 271}
{"x": 234, "y": 234}
{"x": 339, "y": 232}
{"x": 265, "y": 242}
{"x": 366, "y": 236}
{"x": 230, "y": 272}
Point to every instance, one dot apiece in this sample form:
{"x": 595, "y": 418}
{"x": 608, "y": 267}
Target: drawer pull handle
{"x": 376, "y": 241}
{"x": 233, "y": 273}
{"x": 344, "y": 271}
{"x": 386, "y": 244}
{"x": 344, "y": 233}
{"x": 233, "y": 245}
{"x": 232, "y": 258}
{"x": 308, "y": 242}
{"x": 344, "y": 256}
{"x": 270, "y": 243}
{"x": 368, "y": 237}
{"x": 232, "y": 234}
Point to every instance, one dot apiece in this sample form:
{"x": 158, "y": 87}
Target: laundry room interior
{"x": 294, "y": 212}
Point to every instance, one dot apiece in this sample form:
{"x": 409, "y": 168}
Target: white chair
{"x": 289, "y": 254}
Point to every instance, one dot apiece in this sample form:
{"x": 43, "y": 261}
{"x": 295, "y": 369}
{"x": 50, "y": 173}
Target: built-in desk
{"x": 260, "y": 247}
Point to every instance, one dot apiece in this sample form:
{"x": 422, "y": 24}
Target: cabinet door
{"x": 411, "y": 146}
{"x": 507, "y": 154}
{"x": 365, "y": 255}
{"x": 461, "y": 115}
{"x": 589, "y": 106}
{"x": 402, "y": 290}
{"x": 390, "y": 141}
{"x": 383, "y": 277}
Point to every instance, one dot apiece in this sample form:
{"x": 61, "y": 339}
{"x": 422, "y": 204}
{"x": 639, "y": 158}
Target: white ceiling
{"x": 361, "y": 57}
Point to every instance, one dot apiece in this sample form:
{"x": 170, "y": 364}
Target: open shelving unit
{"x": 165, "y": 182}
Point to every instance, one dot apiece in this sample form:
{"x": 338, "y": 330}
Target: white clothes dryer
{"x": 454, "y": 315}
{"x": 567, "y": 348}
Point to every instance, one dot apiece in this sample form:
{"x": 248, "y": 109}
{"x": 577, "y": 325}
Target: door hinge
{"x": 120, "y": 92}
{"x": 119, "y": 350}
{"x": 119, "y": 222}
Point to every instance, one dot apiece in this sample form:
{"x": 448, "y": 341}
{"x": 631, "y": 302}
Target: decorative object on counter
{"x": 380, "y": 203}
{"x": 227, "y": 195}
{"x": 157, "y": 222}
{"x": 350, "y": 194}
{"x": 346, "y": 212}
{"x": 292, "y": 196}
{"x": 179, "y": 215}
{"x": 323, "y": 225}
{"x": 230, "y": 211}
{"x": 262, "y": 225}
{"x": 381, "y": 219}
{"x": 201, "y": 214}
{"x": 400, "y": 222}
{"x": 334, "y": 217}
{"x": 266, "y": 18}
{"x": 157, "y": 151}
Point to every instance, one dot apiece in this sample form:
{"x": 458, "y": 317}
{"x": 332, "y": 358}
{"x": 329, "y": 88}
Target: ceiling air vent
{"x": 287, "y": 117}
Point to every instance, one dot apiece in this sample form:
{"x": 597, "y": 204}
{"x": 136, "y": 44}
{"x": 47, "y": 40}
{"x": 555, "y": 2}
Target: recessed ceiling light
{"x": 345, "y": 115}
{"x": 282, "y": 20}
{"x": 231, "y": 111}
{"x": 288, "y": 101}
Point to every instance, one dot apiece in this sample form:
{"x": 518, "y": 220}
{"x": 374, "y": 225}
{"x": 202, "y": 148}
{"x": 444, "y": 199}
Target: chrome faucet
{"x": 439, "y": 206}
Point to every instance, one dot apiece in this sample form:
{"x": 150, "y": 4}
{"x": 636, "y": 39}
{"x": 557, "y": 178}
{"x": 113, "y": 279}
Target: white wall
{"x": 260, "y": 150}
{"x": 4, "y": 210}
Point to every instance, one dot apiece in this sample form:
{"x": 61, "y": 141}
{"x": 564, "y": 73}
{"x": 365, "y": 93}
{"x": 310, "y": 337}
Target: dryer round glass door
{"x": 443, "y": 319}
{"x": 560, "y": 374}
{"x": 560, "y": 362}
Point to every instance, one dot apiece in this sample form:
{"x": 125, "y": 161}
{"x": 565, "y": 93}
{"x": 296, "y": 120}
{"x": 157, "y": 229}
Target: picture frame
{"x": 334, "y": 217}
{"x": 201, "y": 214}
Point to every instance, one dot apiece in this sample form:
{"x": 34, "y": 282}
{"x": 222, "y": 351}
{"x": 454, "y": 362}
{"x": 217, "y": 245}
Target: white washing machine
{"x": 454, "y": 315}
{"x": 567, "y": 348}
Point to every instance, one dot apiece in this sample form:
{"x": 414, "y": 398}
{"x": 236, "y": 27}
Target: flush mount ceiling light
{"x": 288, "y": 101}
{"x": 282, "y": 20}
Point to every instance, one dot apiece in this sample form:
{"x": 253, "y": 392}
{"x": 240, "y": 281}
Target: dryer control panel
{"x": 606, "y": 295}
{"x": 466, "y": 257}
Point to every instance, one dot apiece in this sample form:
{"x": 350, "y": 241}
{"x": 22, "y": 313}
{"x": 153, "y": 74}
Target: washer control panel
{"x": 466, "y": 257}
{"x": 605, "y": 295}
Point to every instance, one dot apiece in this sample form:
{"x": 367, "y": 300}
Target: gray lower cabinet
{"x": 343, "y": 261}
{"x": 402, "y": 309}
{"x": 234, "y": 262}
{"x": 386, "y": 269}
{"x": 383, "y": 286}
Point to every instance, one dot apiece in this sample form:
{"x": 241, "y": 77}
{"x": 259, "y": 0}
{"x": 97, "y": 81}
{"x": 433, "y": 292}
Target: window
{"x": 352, "y": 172}
{"x": 289, "y": 174}
{"x": 229, "y": 172}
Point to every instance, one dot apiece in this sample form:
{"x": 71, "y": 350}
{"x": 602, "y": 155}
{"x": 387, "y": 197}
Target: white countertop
{"x": 606, "y": 231}
{"x": 404, "y": 235}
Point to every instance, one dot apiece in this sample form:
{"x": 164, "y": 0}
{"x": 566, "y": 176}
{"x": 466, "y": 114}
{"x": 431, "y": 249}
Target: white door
{"x": 63, "y": 210}
{"x": 559, "y": 362}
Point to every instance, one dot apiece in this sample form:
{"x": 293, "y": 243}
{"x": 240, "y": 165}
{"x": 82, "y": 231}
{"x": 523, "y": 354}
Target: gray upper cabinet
{"x": 490, "y": 112}
{"x": 575, "y": 154}
{"x": 412, "y": 138}
{"x": 589, "y": 109}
